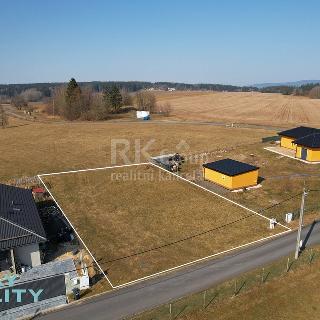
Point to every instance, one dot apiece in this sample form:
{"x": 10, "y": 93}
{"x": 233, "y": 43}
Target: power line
{"x": 178, "y": 241}
{"x": 194, "y": 235}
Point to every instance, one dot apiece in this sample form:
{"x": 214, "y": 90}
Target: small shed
{"x": 308, "y": 147}
{"x": 231, "y": 174}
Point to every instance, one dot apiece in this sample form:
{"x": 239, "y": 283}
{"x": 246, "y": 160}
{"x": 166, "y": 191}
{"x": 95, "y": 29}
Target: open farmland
{"x": 140, "y": 220}
{"x": 27, "y": 148}
{"x": 242, "y": 107}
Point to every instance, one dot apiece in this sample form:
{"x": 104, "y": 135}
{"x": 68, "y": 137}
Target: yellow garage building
{"x": 308, "y": 147}
{"x": 231, "y": 174}
{"x": 305, "y": 141}
{"x": 288, "y": 137}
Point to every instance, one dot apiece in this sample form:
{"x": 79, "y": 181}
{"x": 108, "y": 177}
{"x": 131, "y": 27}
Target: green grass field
{"x": 133, "y": 219}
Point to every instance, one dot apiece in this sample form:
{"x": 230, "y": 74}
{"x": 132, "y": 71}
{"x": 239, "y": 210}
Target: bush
{"x": 164, "y": 109}
{"x": 146, "y": 101}
{"x": 315, "y": 93}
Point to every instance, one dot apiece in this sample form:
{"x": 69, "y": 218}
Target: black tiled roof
{"x": 311, "y": 141}
{"x": 230, "y": 167}
{"x": 298, "y": 132}
{"x": 20, "y": 223}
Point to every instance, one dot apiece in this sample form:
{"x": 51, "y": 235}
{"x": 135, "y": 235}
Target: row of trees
{"x": 47, "y": 89}
{"x": 309, "y": 90}
{"x": 73, "y": 102}
{"x": 315, "y": 93}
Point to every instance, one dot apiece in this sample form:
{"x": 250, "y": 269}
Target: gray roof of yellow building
{"x": 298, "y": 132}
{"x": 310, "y": 141}
{"x": 230, "y": 167}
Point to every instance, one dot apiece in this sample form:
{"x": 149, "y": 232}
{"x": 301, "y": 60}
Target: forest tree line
{"x": 74, "y": 102}
{"x": 99, "y": 100}
{"x": 47, "y": 89}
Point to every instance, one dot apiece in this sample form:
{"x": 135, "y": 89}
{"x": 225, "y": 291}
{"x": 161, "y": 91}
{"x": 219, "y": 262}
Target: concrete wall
{"x": 28, "y": 255}
{"x": 286, "y": 142}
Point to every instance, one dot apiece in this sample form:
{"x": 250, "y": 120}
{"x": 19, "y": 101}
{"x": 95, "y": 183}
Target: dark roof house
{"x": 309, "y": 141}
{"x": 20, "y": 223}
{"x": 230, "y": 167}
{"x": 298, "y": 132}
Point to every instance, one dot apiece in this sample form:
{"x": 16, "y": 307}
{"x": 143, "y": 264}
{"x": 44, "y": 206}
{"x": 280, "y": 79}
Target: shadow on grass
{"x": 179, "y": 313}
{"x": 240, "y": 288}
{"x": 305, "y": 241}
{"x": 265, "y": 278}
{"x": 212, "y": 299}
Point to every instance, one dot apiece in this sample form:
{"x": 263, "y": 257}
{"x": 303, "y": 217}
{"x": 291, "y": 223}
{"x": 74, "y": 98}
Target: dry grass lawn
{"x": 243, "y": 107}
{"x": 126, "y": 211}
{"x": 27, "y": 149}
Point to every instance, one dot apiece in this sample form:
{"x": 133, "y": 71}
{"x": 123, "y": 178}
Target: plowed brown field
{"x": 247, "y": 107}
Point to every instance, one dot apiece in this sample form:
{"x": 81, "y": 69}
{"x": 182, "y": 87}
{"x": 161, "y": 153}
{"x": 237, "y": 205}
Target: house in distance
{"x": 305, "y": 141}
{"x": 231, "y": 174}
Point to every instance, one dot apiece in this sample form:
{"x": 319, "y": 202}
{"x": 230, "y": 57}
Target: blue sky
{"x": 234, "y": 42}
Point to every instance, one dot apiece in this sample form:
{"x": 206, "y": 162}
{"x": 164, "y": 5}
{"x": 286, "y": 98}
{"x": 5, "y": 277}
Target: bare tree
{"x": 31, "y": 95}
{"x": 58, "y": 103}
{"x": 127, "y": 99}
{"x": 164, "y": 109}
{"x": 19, "y": 102}
{"x": 146, "y": 101}
{"x": 315, "y": 93}
{"x": 98, "y": 108}
{"x": 3, "y": 118}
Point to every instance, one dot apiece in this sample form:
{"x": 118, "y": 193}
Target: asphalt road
{"x": 137, "y": 298}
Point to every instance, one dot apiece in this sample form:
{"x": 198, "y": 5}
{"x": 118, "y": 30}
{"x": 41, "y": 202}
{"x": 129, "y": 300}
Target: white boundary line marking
{"x": 219, "y": 195}
{"x": 170, "y": 269}
{"x": 76, "y": 233}
{"x": 291, "y": 157}
{"x": 201, "y": 259}
{"x": 93, "y": 169}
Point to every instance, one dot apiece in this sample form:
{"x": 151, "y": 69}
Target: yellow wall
{"x": 312, "y": 154}
{"x": 286, "y": 142}
{"x": 240, "y": 181}
{"x": 217, "y": 177}
{"x": 298, "y": 152}
{"x": 245, "y": 180}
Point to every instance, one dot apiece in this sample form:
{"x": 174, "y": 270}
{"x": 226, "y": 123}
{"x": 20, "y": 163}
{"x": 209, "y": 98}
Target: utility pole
{"x": 304, "y": 193}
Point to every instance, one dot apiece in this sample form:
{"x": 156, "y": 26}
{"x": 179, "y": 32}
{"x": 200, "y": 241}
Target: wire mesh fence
{"x": 209, "y": 298}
